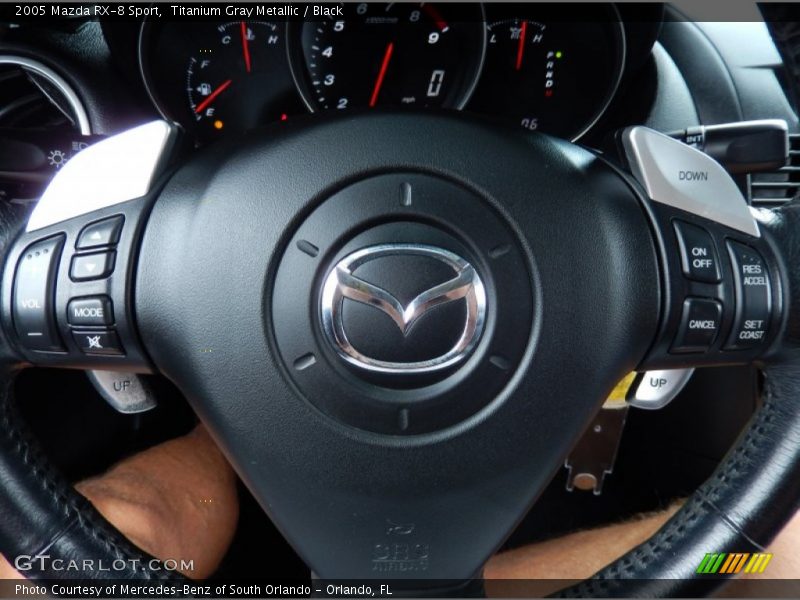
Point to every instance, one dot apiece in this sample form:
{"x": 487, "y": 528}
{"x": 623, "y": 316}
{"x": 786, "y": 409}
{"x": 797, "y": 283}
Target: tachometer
{"x": 398, "y": 54}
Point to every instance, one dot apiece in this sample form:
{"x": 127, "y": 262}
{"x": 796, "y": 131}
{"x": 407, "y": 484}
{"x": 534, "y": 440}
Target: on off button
{"x": 698, "y": 254}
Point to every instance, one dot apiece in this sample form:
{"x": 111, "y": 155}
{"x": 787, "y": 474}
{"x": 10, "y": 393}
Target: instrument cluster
{"x": 543, "y": 67}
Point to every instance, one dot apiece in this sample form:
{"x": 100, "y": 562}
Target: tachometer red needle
{"x": 212, "y": 96}
{"x": 387, "y": 56}
{"x": 436, "y": 17}
{"x": 245, "y": 46}
{"x": 521, "y": 47}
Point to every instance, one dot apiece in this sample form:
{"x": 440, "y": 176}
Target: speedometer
{"x": 398, "y": 54}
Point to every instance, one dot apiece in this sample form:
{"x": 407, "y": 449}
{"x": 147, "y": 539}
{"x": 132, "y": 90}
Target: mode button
{"x": 96, "y": 310}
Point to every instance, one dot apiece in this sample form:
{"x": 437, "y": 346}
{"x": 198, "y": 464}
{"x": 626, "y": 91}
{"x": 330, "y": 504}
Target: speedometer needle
{"x": 387, "y": 56}
{"x": 521, "y": 47}
{"x": 212, "y": 96}
{"x": 245, "y": 46}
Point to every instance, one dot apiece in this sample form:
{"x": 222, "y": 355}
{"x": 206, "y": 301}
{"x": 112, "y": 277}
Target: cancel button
{"x": 700, "y": 323}
{"x": 95, "y": 310}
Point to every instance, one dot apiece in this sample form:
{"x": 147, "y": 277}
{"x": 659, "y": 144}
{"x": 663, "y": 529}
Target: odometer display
{"x": 402, "y": 55}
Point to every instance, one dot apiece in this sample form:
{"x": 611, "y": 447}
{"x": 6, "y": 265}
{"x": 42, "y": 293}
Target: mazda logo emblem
{"x": 341, "y": 283}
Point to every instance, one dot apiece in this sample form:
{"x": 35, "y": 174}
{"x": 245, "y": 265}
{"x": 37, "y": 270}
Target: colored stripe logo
{"x": 731, "y": 563}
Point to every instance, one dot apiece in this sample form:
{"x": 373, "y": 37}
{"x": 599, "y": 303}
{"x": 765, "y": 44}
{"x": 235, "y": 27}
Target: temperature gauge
{"x": 557, "y": 77}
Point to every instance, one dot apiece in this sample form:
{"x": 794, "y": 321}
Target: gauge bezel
{"x": 622, "y": 51}
{"x": 145, "y": 29}
{"x": 302, "y": 83}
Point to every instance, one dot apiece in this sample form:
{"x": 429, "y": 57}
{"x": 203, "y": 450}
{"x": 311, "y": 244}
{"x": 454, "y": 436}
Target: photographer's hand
{"x": 177, "y": 500}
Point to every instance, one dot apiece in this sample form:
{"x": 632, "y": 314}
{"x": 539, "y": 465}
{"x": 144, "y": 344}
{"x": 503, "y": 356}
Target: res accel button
{"x": 698, "y": 254}
{"x": 753, "y": 297}
{"x": 700, "y": 323}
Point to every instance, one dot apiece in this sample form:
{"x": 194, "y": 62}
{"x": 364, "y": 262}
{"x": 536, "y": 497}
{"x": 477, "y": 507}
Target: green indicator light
{"x": 558, "y": 54}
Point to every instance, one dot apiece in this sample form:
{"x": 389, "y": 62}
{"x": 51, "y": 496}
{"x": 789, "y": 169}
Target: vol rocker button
{"x": 700, "y": 324}
{"x": 34, "y": 295}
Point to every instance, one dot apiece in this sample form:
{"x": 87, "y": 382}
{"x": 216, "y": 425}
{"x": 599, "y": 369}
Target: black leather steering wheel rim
{"x": 740, "y": 508}
{"x": 50, "y": 523}
{"x": 729, "y": 512}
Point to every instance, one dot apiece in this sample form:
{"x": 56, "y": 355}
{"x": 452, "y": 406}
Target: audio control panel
{"x": 67, "y": 291}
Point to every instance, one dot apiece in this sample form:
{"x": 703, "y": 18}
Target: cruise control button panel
{"x": 722, "y": 298}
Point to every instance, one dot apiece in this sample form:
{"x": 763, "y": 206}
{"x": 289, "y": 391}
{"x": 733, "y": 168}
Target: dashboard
{"x": 536, "y": 66}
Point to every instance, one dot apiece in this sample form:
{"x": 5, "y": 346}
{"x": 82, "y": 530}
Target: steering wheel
{"x": 397, "y": 325}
